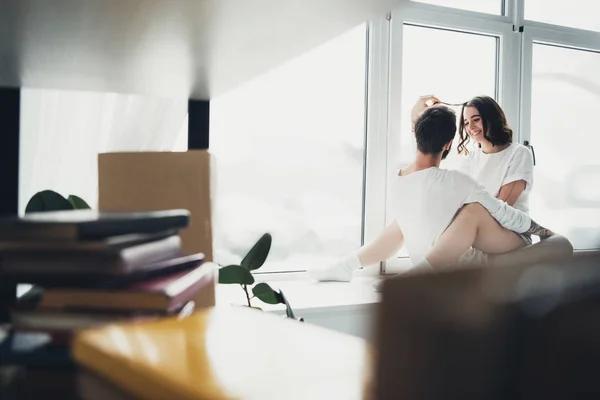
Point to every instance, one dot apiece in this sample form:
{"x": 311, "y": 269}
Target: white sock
{"x": 340, "y": 270}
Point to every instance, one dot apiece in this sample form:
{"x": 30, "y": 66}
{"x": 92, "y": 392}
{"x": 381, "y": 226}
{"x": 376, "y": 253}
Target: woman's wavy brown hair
{"x": 495, "y": 126}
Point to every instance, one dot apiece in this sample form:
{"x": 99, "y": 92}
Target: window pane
{"x": 564, "y": 132}
{"x": 582, "y": 14}
{"x": 289, "y": 151}
{"x": 435, "y": 62}
{"x": 454, "y": 66}
{"x": 484, "y": 6}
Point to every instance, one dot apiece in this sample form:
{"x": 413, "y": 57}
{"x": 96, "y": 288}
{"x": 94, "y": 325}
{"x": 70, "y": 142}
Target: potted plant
{"x": 49, "y": 200}
{"x": 242, "y": 275}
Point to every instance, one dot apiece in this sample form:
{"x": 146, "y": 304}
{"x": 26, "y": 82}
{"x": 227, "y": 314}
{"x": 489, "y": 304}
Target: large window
{"x": 290, "y": 145}
{"x": 565, "y": 99}
{"x": 290, "y": 154}
{"x": 543, "y": 75}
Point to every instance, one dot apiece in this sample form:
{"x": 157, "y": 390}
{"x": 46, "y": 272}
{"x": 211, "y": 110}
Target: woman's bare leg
{"x": 473, "y": 226}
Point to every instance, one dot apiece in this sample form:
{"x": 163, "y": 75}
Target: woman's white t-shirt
{"x": 495, "y": 170}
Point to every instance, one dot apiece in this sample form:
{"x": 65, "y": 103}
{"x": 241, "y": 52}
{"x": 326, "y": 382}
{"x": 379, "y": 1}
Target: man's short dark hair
{"x": 434, "y": 129}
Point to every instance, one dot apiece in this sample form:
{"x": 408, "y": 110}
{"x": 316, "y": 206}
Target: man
{"x": 443, "y": 217}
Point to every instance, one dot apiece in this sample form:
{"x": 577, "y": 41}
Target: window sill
{"x": 307, "y": 296}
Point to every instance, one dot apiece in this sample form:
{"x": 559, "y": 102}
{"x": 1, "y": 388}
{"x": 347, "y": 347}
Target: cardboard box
{"x": 148, "y": 181}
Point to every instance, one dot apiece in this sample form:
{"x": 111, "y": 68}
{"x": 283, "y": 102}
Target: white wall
{"x": 63, "y": 131}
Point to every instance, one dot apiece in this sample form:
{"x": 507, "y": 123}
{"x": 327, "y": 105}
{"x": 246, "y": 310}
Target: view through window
{"x": 289, "y": 148}
{"x": 565, "y": 97}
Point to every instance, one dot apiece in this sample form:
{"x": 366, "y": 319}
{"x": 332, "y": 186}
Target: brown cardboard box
{"x": 148, "y": 181}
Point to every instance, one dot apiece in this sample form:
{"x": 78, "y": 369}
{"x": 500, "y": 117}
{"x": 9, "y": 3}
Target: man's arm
{"x": 507, "y": 216}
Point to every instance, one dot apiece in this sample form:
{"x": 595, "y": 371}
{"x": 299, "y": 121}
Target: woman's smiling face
{"x": 474, "y": 124}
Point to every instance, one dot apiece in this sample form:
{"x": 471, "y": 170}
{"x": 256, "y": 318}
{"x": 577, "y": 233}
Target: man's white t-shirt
{"x": 495, "y": 170}
{"x": 426, "y": 201}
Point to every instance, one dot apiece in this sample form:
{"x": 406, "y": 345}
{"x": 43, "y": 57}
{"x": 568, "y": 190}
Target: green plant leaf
{"x": 47, "y": 200}
{"x": 78, "y": 203}
{"x": 235, "y": 274}
{"x": 258, "y": 253}
{"x": 288, "y": 309}
{"x": 265, "y": 293}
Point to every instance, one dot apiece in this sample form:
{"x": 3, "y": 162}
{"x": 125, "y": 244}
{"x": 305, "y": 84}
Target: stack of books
{"x": 88, "y": 268}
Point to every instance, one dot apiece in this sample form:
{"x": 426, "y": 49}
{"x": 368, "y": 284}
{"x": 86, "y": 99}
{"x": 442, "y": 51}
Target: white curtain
{"x": 62, "y": 133}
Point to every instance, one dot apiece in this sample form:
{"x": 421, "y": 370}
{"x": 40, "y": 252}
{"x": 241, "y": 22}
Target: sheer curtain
{"x": 62, "y": 133}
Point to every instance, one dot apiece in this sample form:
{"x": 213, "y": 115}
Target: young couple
{"x": 447, "y": 217}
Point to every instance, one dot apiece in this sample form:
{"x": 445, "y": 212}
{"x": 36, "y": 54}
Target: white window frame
{"x": 377, "y": 115}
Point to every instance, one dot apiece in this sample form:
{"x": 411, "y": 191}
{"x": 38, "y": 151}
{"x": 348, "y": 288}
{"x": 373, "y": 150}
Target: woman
{"x": 504, "y": 168}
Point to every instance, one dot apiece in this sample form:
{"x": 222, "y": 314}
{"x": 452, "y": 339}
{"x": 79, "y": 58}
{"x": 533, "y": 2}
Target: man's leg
{"x": 383, "y": 247}
{"x": 473, "y": 226}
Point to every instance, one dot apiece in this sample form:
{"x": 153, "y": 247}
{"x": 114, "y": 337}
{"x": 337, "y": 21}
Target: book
{"x": 104, "y": 244}
{"x": 54, "y": 322}
{"x": 161, "y": 294}
{"x": 118, "y": 261}
{"x": 101, "y": 279}
{"x": 89, "y": 224}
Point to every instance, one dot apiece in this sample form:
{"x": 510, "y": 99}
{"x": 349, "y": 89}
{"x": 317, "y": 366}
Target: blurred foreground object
{"x": 519, "y": 331}
{"x": 222, "y": 353}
